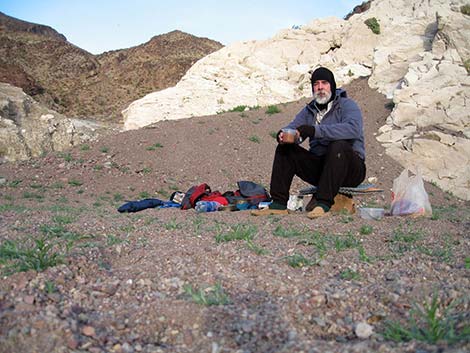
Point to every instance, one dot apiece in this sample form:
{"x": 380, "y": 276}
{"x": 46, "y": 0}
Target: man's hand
{"x": 283, "y": 138}
{"x": 306, "y": 131}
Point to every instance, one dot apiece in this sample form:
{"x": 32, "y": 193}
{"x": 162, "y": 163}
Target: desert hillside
{"x": 76, "y": 83}
{"x": 79, "y": 276}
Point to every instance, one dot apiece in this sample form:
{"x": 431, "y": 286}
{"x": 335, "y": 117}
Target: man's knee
{"x": 285, "y": 149}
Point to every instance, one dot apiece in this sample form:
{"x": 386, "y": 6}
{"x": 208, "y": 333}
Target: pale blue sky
{"x": 101, "y": 25}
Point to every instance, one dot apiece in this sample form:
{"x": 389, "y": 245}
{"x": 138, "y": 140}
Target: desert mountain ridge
{"x": 78, "y": 84}
{"x": 8, "y": 23}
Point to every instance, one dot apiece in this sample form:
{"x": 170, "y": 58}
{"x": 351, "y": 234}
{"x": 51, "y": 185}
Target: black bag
{"x": 253, "y": 192}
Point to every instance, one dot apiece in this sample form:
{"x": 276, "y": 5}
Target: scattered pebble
{"x": 363, "y": 330}
{"x": 88, "y": 331}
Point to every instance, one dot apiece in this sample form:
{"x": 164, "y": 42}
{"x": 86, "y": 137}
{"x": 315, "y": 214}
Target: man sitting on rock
{"x": 333, "y": 124}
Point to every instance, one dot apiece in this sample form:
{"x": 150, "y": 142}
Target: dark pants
{"x": 341, "y": 166}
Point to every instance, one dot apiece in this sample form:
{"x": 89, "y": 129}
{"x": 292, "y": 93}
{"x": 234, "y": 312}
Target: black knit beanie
{"x": 322, "y": 73}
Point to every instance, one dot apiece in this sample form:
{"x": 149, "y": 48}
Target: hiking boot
{"x": 269, "y": 212}
{"x": 317, "y": 212}
{"x": 344, "y": 203}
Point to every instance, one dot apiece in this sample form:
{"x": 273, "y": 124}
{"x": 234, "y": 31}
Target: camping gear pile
{"x": 248, "y": 196}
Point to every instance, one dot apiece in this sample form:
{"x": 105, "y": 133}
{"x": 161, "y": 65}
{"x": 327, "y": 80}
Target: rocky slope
{"x": 28, "y": 129}
{"x": 417, "y": 55}
{"x": 78, "y": 84}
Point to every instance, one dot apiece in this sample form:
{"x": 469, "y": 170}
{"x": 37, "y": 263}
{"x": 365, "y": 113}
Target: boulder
{"x": 251, "y": 73}
{"x": 434, "y": 94}
{"x": 448, "y": 166}
{"x": 27, "y": 129}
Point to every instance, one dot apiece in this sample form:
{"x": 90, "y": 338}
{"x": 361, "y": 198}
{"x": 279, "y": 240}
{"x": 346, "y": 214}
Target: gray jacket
{"x": 342, "y": 122}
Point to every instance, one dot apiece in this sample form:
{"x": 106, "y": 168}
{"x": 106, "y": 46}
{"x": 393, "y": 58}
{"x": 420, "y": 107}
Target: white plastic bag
{"x": 409, "y": 198}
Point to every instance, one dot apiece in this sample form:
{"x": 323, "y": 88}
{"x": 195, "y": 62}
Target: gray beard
{"x": 322, "y": 99}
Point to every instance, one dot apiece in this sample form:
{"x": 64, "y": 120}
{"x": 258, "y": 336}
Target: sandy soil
{"x": 123, "y": 282}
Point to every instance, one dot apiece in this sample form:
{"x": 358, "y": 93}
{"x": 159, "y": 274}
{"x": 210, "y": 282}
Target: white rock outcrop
{"x": 418, "y": 59}
{"x": 253, "y": 73}
{"x": 27, "y": 129}
{"x": 429, "y": 126}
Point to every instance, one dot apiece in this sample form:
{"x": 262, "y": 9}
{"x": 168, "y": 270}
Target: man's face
{"x": 321, "y": 91}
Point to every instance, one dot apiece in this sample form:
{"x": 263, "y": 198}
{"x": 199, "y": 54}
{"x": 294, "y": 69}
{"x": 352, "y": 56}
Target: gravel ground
{"x": 123, "y": 282}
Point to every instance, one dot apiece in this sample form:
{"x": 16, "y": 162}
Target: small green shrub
{"x": 258, "y": 250}
{"x": 33, "y": 195}
{"x": 75, "y": 182}
{"x": 254, "y": 139}
{"x": 85, "y": 147}
{"x": 214, "y": 295}
{"x": 55, "y": 230}
{"x": 431, "y": 322}
{"x": 465, "y": 9}
{"x": 406, "y": 235}
{"x": 12, "y": 207}
{"x": 238, "y": 108}
{"x": 343, "y": 242}
{"x": 362, "y": 254}
{"x": 38, "y": 258}
{"x": 57, "y": 185}
{"x": 346, "y": 217}
{"x": 50, "y": 287}
{"x": 373, "y": 25}
{"x": 298, "y": 260}
{"x": 280, "y": 231}
{"x": 317, "y": 240}
{"x": 466, "y": 64}
{"x": 166, "y": 194}
{"x": 59, "y": 231}
{"x": 173, "y": 225}
{"x": 112, "y": 239}
{"x": 8, "y": 250}
{"x": 237, "y": 232}
{"x": 104, "y": 149}
{"x": 366, "y": 229}
{"x": 349, "y": 274}
{"x": 63, "y": 219}
{"x": 14, "y": 183}
{"x": 143, "y": 195}
{"x": 118, "y": 197}
{"x": 272, "y": 109}
{"x": 154, "y": 147}
{"x": 66, "y": 156}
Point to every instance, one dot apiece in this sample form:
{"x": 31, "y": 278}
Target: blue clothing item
{"x": 136, "y": 206}
{"x": 342, "y": 122}
{"x": 170, "y": 204}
